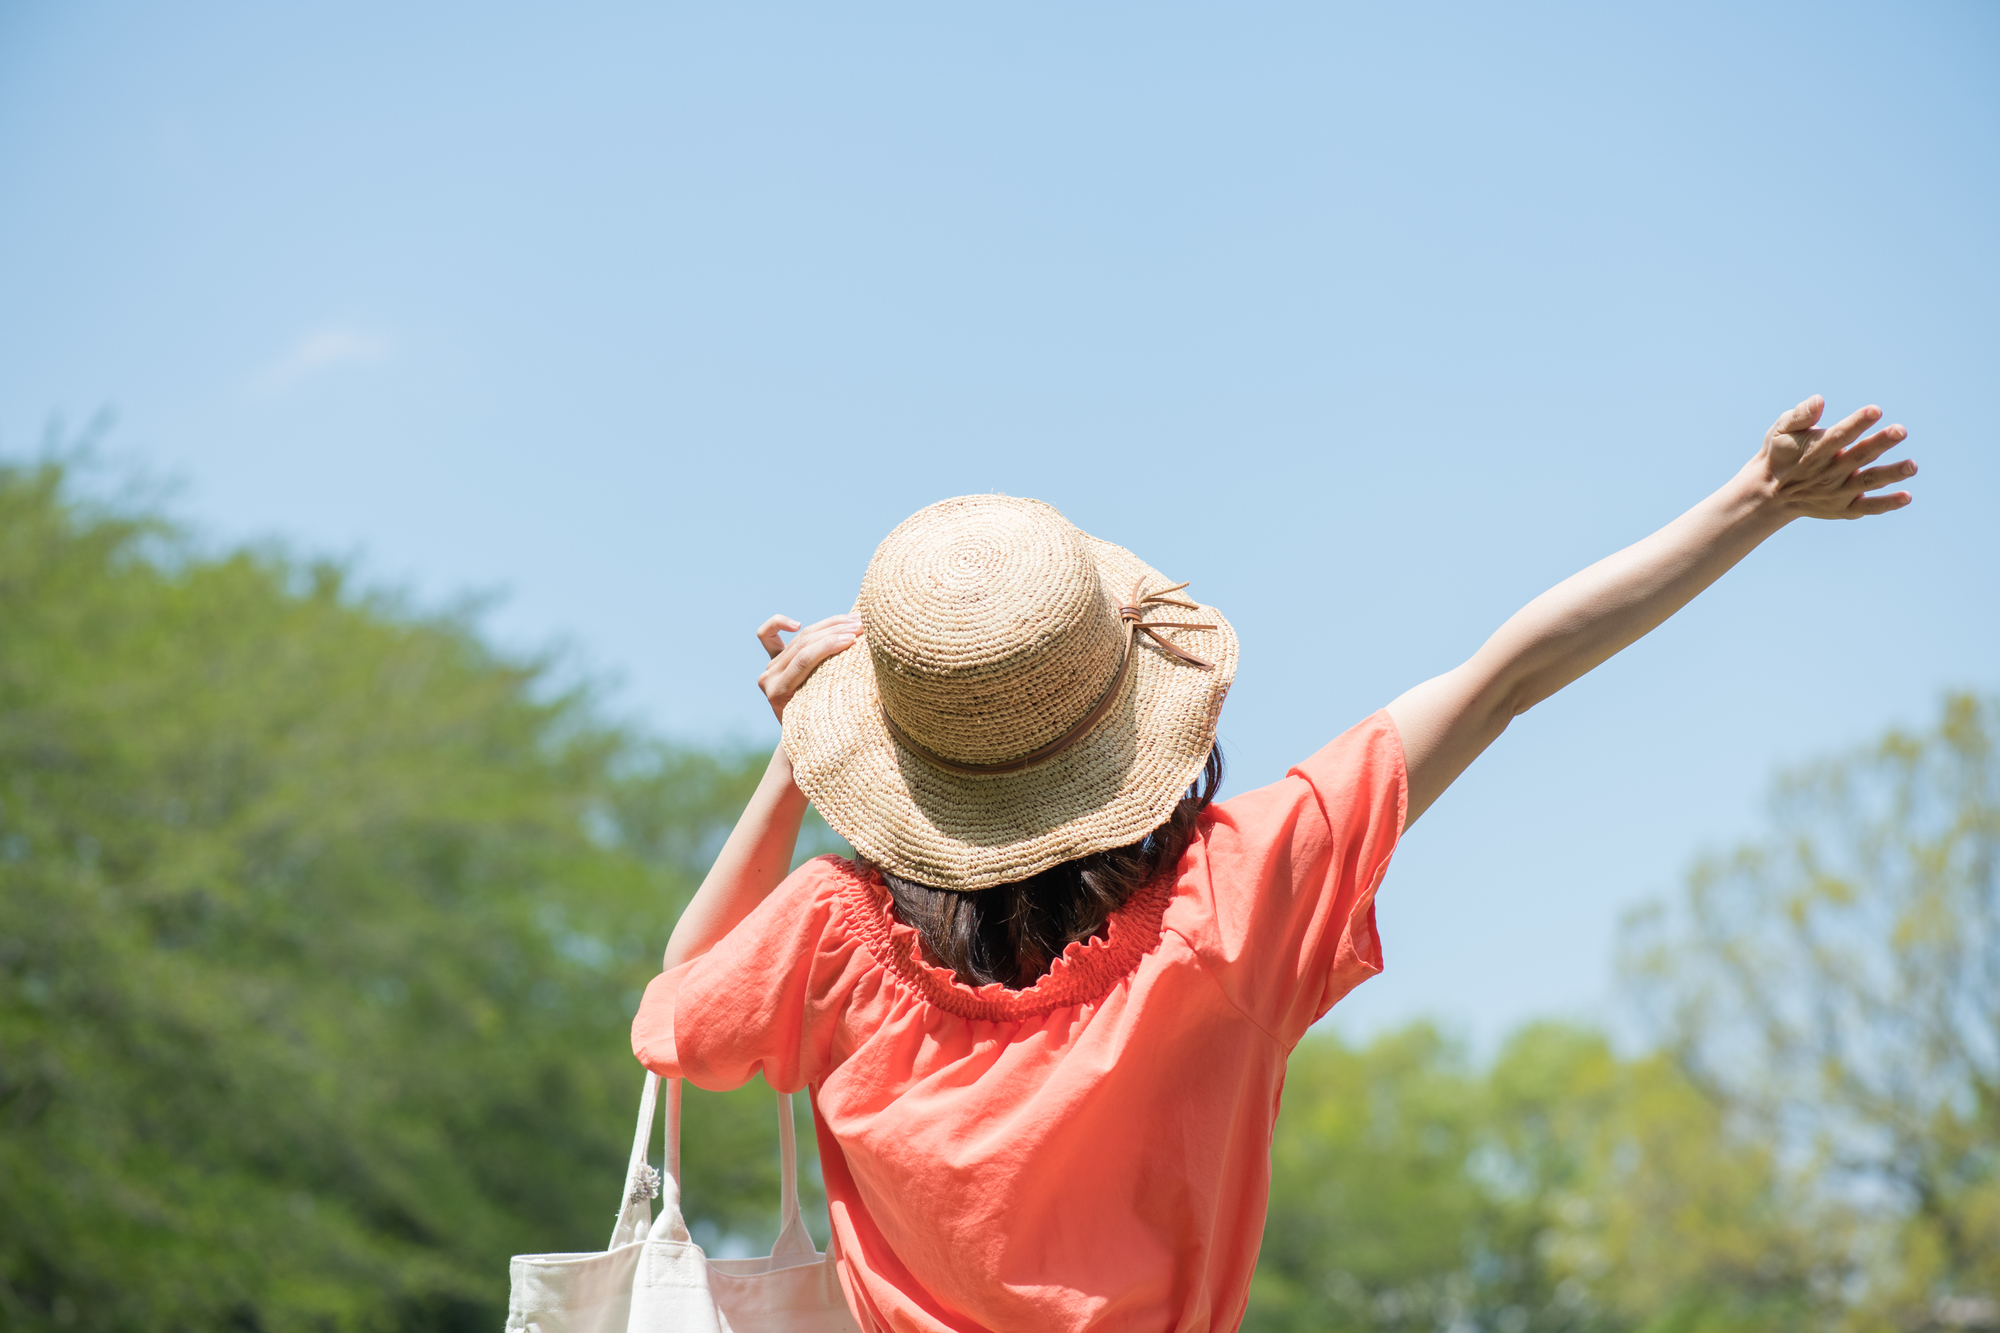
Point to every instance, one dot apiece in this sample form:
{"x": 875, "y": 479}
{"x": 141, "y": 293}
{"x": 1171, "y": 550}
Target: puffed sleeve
{"x": 1286, "y": 878}
{"x": 764, "y": 1000}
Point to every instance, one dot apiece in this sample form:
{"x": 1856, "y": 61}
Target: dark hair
{"x": 1012, "y": 933}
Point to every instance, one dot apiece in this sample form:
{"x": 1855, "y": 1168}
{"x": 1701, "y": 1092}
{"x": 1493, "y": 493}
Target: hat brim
{"x": 1112, "y": 787}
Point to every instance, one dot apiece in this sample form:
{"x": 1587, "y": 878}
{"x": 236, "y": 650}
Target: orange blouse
{"x": 1092, "y": 1152}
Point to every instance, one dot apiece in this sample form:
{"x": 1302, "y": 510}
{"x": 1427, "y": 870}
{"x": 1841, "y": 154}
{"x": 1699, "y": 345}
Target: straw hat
{"x": 1028, "y": 694}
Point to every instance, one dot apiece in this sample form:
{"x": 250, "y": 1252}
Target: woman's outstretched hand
{"x": 1817, "y": 473}
{"x": 792, "y": 662}
{"x": 1801, "y": 471}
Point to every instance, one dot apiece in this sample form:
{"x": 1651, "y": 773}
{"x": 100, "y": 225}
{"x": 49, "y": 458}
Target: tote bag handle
{"x": 635, "y": 1213}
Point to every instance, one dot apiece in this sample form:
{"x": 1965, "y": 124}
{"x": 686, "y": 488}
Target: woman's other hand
{"x": 792, "y": 663}
{"x": 758, "y": 852}
{"x": 1817, "y": 473}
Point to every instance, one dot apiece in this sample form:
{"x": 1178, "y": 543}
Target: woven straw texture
{"x": 991, "y": 628}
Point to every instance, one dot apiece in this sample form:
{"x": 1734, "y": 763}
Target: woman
{"x": 1044, "y": 1015}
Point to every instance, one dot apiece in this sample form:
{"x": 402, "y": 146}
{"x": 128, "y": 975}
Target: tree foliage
{"x": 320, "y": 928}
{"x": 1839, "y": 985}
{"x": 1561, "y": 1189}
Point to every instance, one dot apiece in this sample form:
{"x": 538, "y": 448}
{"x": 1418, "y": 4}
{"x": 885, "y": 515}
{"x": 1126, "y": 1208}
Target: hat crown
{"x": 990, "y": 630}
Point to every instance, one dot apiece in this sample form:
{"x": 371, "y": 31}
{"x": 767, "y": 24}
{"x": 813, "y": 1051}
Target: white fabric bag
{"x": 653, "y": 1278}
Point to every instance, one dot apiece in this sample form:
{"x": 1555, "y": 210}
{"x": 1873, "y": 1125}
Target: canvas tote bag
{"x": 653, "y": 1278}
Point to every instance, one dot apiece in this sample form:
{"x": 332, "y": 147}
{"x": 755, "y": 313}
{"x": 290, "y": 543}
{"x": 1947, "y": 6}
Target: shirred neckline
{"x": 1085, "y": 972}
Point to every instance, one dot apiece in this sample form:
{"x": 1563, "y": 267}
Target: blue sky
{"x": 1370, "y": 322}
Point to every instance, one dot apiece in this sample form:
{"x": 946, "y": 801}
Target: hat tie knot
{"x": 1133, "y": 614}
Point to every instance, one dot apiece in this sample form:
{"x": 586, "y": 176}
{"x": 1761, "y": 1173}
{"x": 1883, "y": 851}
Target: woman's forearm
{"x": 1800, "y": 471}
{"x": 758, "y": 855}
{"x": 754, "y": 861}
{"x": 1448, "y": 721}
{"x": 1592, "y": 615}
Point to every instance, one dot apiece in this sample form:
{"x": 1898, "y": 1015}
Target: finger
{"x": 1867, "y": 451}
{"x": 1864, "y": 505}
{"x": 837, "y": 637}
{"x": 850, "y": 621}
{"x": 806, "y": 654}
{"x": 1827, "y": 443}
{"x": 767, "y": 633}
{"x": 1801, "y": 417}
{"x": 811, "y": 641}
{"x": 1848, "y": 429}
{"x": 1875, "y": 478}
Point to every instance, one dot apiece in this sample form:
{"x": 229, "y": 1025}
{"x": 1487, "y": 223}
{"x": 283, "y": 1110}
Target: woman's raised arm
{"x": 1800, "y": 472}
{"x": 758, "y": 854}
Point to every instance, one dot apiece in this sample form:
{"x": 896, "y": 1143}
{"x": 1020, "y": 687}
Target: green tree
{"x": 1562, "y": 1189}
{"x": 1372, "y": 1206}
{"x": 1839, "y": 985}
{"x": 1631, "y": 1201}
{"x": 320, "y": 927}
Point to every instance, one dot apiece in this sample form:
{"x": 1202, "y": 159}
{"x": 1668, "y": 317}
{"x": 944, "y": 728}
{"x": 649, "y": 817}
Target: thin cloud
{"x": 317, "y": 352}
